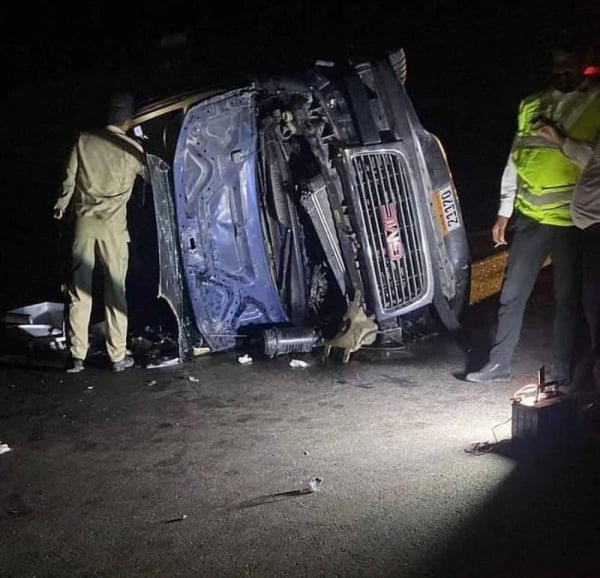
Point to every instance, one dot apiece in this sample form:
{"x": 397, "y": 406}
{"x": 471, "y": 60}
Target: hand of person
{"x": 58, "y": 213}
{"x": 550, "y": 133}
{"x": 499, "y": 230}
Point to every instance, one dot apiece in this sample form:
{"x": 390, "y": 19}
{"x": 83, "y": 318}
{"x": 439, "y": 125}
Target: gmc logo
{"x": 389, "y": 217}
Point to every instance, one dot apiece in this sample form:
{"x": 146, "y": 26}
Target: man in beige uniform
{"x": 100, "y": 175}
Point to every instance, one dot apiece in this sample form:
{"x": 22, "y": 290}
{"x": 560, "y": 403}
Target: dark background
{"x": 469, "y": 64}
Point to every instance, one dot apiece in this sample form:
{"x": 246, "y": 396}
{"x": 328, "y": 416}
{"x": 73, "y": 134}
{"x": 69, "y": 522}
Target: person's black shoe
{"x": 490, "y": 372}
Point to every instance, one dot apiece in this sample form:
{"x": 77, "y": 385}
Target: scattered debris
{"x": 358, "y": 330}
{"x": 197, "y": 351}
{"x": 38, "y": 320}
{"x": 179, "y": 518}
{"x": 154, "y": 348}
{"x": 245, "y": 359}
{"x": 166, "y": 363}
{"x": 314, "y": 485}
{"x": 151, "y": 382}
{"x": 299, "y": 363}
{"x": 4, "y": 448}
{"x": 193, "y": 379}
{"x": 34, "y": 334}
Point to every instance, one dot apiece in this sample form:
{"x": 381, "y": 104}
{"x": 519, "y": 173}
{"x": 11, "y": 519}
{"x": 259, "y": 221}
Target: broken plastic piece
{"x": 193, "y": 379}
{"x": 167, "y": 363}
{"x": 299, "y": 363}
{"x": 198, "y": 351}
{"x": 358, "y": 330}
{"x": 245, "y": 359}
{"x": 4, "y": 448}
{"x": 314, "y": 484}
{"x": 40, "y": 319}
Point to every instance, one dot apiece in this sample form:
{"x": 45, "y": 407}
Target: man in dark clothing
{"x": 538, "y": 182}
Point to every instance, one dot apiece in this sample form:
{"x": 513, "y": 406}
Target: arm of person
{"x": 508, "y": 191}
{"x": 143, "y": 171}
{"x": 68, "y": 186}
{"x": 579, "y": 152}
{"x": 141, "y": 168}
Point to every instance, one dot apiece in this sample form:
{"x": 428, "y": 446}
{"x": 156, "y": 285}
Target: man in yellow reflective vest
{"x": 538, "y": 183}
{"x": 100, "y": 175}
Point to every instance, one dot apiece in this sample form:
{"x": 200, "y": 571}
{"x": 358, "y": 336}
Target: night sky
{"x": 469, "y": 64}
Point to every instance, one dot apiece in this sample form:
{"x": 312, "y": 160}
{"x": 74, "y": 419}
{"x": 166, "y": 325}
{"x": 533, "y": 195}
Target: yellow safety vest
{"x": 546, "y": 177}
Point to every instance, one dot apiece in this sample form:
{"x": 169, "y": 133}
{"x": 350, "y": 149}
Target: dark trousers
{"x": 533, "y": 243}
{"x": 591, "y": 293}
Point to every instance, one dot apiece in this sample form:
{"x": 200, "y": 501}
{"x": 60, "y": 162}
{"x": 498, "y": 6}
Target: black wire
{"x": 481, "y": 448}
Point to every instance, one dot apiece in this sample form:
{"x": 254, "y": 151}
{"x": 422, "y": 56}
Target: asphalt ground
{"x": 204, "y": 469}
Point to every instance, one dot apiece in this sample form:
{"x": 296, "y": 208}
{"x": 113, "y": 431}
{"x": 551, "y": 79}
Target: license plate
{"x": 446, "y": 210}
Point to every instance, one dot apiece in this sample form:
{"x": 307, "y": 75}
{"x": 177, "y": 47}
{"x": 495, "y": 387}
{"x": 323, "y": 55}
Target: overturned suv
{"x": 303, "y": 212}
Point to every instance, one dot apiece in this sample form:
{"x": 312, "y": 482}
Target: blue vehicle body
{"x": 219, "y": 220}
{"x": 317, "y": 206}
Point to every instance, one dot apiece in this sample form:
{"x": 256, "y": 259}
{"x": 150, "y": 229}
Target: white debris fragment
{"x": 198, "y": 351}
{"x": 179, "y": 518}
{"x": 193, "y": 379}
{"x": 4, "y": 449}
{"x": 151, "y": 382}
{"x": 314, "y": 484}
{"x": 299, "y": 363}
{"x": 167, "y": 363}
{"x": 90, "y": 387}
{"x": 245, "y": 359}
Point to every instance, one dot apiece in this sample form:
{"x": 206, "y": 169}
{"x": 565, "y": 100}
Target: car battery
{"x": 545, "y": 415}
{"x": 547, "y": 419}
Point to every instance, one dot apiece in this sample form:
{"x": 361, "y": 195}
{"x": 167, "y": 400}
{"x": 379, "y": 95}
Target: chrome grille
{"x": 381, "y": 180}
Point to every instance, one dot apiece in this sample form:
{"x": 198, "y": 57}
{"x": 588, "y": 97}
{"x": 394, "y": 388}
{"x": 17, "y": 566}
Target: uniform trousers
{"x": 113, "y": 254}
